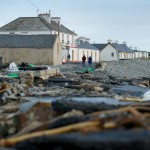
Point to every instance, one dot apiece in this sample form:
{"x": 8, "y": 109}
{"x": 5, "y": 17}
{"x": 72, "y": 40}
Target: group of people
{"x": 84, "y": 59}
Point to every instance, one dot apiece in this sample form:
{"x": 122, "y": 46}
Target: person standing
{"x": 68, "y": 58}
{"x": 90, "y": 60}
{"x": 83, "y": 61}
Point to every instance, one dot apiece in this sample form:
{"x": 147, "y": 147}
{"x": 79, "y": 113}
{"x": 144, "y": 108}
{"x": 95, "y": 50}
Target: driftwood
{"x": 133, "y": 99}
{"x": 59, "y": 121}
{"x": 64, "y": 106}
{"x": 14, "y": 140}
{"x": 58, "y": 81}
{"x": 61, "y": 80}
{"x": 86, "y": 87}
{"x": 128, "y": 117}
{"x": 32, "y": 68}
{"x": 106, "y": 140}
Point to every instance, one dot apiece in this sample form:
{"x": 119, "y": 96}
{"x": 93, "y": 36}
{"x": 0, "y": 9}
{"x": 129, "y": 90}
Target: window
{"x": 67, "y": 37}
{"x": 112, "y": 54}
{"x": 72, "y": 40}
{"x": 62, "y": 36}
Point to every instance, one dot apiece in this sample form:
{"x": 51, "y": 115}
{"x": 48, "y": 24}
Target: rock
{"x": 5, "y": 94}
{"x": 3, "y": 100}
{"x": 11, "y": 97}
{"x": 143, "y": 83}
{"x": 73, "y": 113}
{"x": 9, "y": 91}
{"x": 22, "y": 94}
{"x": 146, "y": 96}
{"x": 27, "y": 79}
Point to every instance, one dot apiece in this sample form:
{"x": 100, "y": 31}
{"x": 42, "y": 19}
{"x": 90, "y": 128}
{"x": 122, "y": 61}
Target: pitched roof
{"x": 86, "y": 45}
{"x": 100, "y": 46}
{"x": 27, "y": 41}
{"x": 34, "y": 24}
{"x": 122, "y": 48}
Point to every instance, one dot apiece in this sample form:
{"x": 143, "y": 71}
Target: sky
{"x": 99, "y": 20}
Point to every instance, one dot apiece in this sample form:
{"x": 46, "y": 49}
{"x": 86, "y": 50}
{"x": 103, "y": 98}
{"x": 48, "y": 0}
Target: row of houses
{"x": 105, "y": 52}
{"x": 44, "y": 40}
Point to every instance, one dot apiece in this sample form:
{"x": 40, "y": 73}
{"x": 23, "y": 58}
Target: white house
{"x": 43, "y": 24}
{"x": 107, "y": 52}
{"x": 124, "y": 51}
{"x": 84, "y": 48}
{"x": 140, "y": 54}
{"x": 145, "y": 54}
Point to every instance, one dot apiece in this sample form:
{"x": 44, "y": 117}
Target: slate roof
{"x": 27, "y": 41}
{"x": 100, "y": 46}
{"x": 119, "y": 47}
{"x": 86, "y": 45}
{"x": 122, "y": 48}
{"x": 34, "y": 24}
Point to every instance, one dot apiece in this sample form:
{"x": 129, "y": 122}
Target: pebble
{"x": 129, "y": 69}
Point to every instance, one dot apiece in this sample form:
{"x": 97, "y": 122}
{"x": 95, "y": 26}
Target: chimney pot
{"x": 109, "y": 41}
{"x": 125, "y": 43}
{"x": 45, "y": 16}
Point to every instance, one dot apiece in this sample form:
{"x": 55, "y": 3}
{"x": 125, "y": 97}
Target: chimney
{"x": 125, "y": 43}
{"x": 77, "y": 42}
{"x": 46, "y": 17}
{"x": 131, "y": 47}
{"x": 116, "y": 42}
{"x": 81, "y": 39}
{"x": 56, "y": 19}
{"x": 109, "y": 41}
{"x": 135, "y": 48}
{"x": 87, "y": 40}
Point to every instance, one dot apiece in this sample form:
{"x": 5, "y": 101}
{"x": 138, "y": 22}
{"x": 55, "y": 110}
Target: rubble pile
{"x": 75, "y": 106}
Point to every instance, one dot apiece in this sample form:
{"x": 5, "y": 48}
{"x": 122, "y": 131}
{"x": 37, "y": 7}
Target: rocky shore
{"x": 128, "y": 69}
{"x": 79, "y": 104}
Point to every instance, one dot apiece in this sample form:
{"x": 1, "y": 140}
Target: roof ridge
{"x": 68, "y": 29}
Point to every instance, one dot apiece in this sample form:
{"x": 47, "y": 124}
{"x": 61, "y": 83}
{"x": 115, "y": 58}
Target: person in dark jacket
{"x": 68, "y": 58}
{"x": 83, "y": 61}
{"x": 90, "y": 60}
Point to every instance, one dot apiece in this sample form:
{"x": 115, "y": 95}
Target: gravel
{"x": 129, "y": 69}
{"x": 124, "y": 69}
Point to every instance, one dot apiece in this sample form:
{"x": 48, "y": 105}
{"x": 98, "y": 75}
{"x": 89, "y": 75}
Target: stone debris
{"x": 56, "y": 113}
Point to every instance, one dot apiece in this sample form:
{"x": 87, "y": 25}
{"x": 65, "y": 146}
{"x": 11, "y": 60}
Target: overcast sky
{"x": 100, "y": 20}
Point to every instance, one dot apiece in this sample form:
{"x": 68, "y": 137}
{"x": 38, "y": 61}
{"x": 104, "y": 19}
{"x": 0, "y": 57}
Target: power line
{"x": 35, "y": 6}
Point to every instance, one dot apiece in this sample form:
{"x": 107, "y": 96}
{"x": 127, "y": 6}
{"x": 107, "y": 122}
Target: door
{"x": 72, "y": 55}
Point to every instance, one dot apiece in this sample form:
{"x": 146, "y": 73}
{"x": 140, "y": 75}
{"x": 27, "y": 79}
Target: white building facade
{"x": 109, "y": 53}
{"x": 84, "y": 48}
